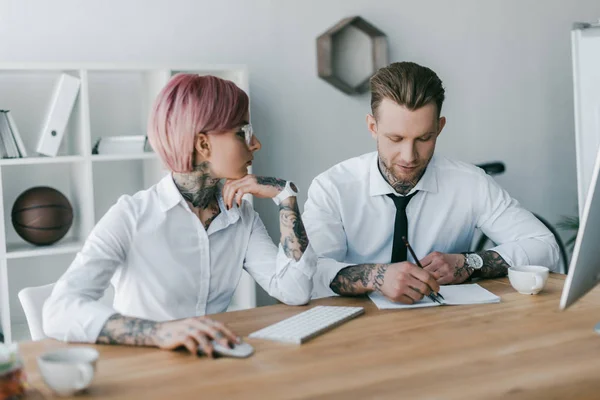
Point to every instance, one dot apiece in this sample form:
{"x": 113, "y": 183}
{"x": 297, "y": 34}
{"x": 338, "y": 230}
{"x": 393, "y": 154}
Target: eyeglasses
{"x": 248, "y": 133}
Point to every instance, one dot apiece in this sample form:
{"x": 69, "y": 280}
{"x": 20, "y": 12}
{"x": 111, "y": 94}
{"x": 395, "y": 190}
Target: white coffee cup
{"x": 528, "y": 279}
{"x": 68, "y": 370}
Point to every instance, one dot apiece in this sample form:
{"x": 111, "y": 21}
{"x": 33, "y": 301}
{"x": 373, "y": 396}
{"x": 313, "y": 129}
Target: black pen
{"x": 432, "y": 297}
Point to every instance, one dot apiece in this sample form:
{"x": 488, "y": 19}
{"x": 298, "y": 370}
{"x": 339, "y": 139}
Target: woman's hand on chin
{"x": 259, "y": 186}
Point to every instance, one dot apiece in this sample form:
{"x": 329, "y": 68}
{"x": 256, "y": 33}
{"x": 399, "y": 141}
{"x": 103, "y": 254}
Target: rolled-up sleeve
{"x": 73, "y": 311}
{"x": 522, "y": 238}
{"x": 325, "y": 231}
{"x": 286, "y": 279}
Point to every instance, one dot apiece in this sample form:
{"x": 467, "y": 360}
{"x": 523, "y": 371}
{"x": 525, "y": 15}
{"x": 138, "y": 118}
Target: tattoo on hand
{"x": 198, "y": 187}
{"x": 267, "y": 181}
{"x": 354, "y": 280}
{"x": 294, "y": 239}
{"x": 494, "y": 265}
{"x": 459, "y": 271}
{"x": 378, "y": 276}
{"x": 127, "y": 330}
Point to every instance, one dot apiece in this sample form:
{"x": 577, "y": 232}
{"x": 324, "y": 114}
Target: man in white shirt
{"x": 358, "y": 211}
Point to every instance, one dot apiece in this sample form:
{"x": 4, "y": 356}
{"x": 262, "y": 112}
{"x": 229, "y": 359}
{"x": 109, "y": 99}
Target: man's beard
{"x": 402, "y": 185}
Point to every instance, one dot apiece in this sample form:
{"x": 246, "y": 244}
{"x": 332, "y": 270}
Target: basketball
{"x": 42, "y": 215}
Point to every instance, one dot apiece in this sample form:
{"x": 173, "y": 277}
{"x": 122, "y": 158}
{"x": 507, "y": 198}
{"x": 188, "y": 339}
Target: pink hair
{"x": 190, "y": 104}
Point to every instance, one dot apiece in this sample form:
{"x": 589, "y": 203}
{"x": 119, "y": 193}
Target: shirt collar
{"x": 169, "y": 196}
{"x": 378, "y": 186}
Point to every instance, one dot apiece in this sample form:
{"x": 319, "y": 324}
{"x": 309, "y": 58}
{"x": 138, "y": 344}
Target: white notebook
{"x": 454, "y": 295}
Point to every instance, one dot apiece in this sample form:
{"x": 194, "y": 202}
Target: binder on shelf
{"x": 63, "y": 100}
{"x": 8, "y": 144}
{"x": 16, "y": 135}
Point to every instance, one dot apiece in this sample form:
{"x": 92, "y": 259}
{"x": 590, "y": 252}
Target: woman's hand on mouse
{"x": 193, "y": 333}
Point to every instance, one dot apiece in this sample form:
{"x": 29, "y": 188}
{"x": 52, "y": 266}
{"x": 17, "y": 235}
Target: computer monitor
{"x": 584, "y": 269}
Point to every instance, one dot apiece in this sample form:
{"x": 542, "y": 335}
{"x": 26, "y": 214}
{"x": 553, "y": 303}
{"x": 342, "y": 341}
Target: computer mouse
{"x": 240, "y": 350}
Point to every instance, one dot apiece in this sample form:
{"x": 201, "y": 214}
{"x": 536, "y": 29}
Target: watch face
{"x": 475, "y": 261}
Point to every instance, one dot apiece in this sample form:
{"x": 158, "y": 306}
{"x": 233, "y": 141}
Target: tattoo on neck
{"x": 267, "y": 181}
{"x": 494, "y": 265}
{"x": 354, "y": 280}
{"x": 198, "y": 187}
{"x": 127, "y": 330}
{"x": 400, "y": 186}
{"x": 215, "y": 211}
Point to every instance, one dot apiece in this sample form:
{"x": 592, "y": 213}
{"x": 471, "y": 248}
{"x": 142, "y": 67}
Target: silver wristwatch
{"x": 288, "y": 191}
{"x": 473, "y": 260}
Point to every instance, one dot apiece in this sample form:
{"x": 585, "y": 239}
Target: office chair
{"x": 32, "y": 300}
{"x": 497, "y": 168}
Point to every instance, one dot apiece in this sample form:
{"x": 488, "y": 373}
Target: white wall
{"x": 506, "y": 65}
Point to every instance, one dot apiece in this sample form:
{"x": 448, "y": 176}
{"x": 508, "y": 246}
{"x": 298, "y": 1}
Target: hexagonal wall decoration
{"x": 326, "y": 65}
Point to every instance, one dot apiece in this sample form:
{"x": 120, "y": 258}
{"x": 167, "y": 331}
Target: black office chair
{"x": 497, "y": 168}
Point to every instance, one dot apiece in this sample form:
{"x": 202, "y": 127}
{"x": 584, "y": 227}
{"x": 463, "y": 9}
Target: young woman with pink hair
{"x": 175, "y": 252}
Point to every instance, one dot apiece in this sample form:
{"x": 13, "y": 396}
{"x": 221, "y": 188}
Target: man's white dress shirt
{"x": 350, "y": 220}
{"x": 164, "y": 265}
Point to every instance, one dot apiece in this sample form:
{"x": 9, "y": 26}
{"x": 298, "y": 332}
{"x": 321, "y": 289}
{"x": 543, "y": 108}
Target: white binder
{"x": 16, "y": 134}
{"x": 63, "y": 99}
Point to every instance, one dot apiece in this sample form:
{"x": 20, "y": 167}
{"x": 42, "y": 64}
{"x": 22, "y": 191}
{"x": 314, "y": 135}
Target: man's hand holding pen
{"x": 404, "y": 282}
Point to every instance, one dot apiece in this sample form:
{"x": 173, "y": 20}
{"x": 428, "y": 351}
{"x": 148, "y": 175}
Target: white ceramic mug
{"x": 68, "y": 370}
{"x": 528, "y": 279}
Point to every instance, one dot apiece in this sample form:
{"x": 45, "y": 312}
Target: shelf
{"x": 24, "y": 250}
{"x": 124, "y": 157}
{"x": 41, "y": 160}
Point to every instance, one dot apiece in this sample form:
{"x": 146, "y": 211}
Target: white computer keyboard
{"x": 308, "y": 324}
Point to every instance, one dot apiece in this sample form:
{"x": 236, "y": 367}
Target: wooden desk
{"x": 523, "y": 347}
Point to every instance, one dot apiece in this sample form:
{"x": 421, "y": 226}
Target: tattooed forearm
{"x": 494, "y": 266}
{"x": 127, "y": 330}
{"x": 264, "y": 180}
{"x": 293, "y": 236}
{"x": 360, "y": 279}
{"x": 198, "y": 187}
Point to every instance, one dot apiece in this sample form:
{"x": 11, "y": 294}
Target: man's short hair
{"x": 407, "y": 84}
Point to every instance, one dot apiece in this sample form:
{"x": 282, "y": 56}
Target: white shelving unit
{"x": 113, "y": 100}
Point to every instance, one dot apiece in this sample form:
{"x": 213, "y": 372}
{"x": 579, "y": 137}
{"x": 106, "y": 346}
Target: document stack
{"x": 11, "y": 145}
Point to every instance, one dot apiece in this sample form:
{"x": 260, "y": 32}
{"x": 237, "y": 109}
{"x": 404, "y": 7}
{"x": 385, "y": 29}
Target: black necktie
{"x": 400, "y": 226}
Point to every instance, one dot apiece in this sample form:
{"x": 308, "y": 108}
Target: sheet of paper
{"x": 453, "y": 295}
{"x": 383, "y": 303}
{"x": 467, "y": 294}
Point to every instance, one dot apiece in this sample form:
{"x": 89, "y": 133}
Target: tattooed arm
{"x": 360, "y": 279}
{"x": 189, "y": 332}
{"x": 452, "y": 269}
{"x": 127, "y": 330}
{"x": 494, "y": 266}
{"x": 401, "y": 282}
{"x": 293, "y": 236}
